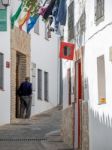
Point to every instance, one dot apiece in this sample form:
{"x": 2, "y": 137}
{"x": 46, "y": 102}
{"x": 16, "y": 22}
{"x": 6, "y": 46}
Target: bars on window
{"x": 99, "y": 12}
{"x": 46, "y": 86}
{"x": 1, "y": 70}
{"x": 39, "y": 84}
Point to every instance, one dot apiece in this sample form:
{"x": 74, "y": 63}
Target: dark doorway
{"x": 20, "y": 76}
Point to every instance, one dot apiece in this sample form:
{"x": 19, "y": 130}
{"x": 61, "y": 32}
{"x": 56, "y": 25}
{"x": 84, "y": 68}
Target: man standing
{"x": 25, "y": 93}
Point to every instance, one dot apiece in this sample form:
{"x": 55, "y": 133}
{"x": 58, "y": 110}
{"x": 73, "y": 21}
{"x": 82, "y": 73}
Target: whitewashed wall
{"x": 66, "y": 65}
{"x": 45, "y": 54}
{"x": 100, "y": 116}
{"x": 5, "y": 93}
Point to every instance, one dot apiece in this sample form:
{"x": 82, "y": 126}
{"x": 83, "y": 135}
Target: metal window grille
{"x": 46, "y": 86}
{"x": 99, "y": 12}
{"x": 1, "y": 70}
{"x": 39, "y": 84}
{"x": 71, "y": 21}
{"x": 33, "y": 71}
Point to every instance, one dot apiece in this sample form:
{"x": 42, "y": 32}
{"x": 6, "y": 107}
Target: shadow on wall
{"x": 100, "y": 130}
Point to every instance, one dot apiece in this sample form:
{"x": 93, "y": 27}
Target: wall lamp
{"x": 5, "y": 2}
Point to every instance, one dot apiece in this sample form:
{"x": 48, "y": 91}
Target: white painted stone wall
{"x": 5, "y": 93}
{"x": 45, "y": 54}
{"x": 100, "y": 116}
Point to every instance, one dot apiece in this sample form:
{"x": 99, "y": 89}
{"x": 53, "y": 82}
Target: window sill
{"x": 99, "y": 20}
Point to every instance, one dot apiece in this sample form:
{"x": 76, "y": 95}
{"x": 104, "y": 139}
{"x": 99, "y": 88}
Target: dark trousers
{"x": 25, "y": 106}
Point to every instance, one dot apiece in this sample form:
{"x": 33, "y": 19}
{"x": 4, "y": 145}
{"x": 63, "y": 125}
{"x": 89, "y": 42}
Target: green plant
{"x": 33, "y": 5}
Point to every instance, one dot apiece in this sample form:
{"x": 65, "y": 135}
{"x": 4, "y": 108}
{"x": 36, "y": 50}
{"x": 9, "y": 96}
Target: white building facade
{"x": 98, "y": 72}
{"x": 93, "y": 27}
{"x": 4, "y": 65}
{"x": 45, "y": 69}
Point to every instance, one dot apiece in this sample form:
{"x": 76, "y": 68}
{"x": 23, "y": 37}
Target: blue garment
{"x": 62, "y": 12}
{"x": 25, "y": 89}
{"x": 32, "y": 23}
{"x": 55, "y": 13}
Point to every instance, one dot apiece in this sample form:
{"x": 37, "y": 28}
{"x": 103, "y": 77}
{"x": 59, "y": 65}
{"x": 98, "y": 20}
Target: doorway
{"x": 77, "y": 110}
{"x": 20, "y": 76}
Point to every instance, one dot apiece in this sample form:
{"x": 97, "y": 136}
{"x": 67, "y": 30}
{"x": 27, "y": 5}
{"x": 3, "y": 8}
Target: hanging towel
{"x": 62, "y": 12}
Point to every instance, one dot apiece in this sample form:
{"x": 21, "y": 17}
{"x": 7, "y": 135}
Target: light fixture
{"x": 5, "y": 2}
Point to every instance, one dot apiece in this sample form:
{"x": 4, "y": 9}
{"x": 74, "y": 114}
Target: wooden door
{"x": 78, "y": 97}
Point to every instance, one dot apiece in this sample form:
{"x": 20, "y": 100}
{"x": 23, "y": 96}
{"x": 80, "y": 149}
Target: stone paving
{"x": 41, "y": 132}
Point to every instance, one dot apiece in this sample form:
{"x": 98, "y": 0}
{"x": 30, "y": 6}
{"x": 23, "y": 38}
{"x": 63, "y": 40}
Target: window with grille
{"x": 1, "y": 70}
{"x": 101, "y": 79}
{"x": 39, "y": 84}
{"x": 46, "y": 86}
{"x": 69, "y": 86}
{"x": 71, "y": 21}
{"x": 3, "y": 17}
{"x": 99, "y": 11}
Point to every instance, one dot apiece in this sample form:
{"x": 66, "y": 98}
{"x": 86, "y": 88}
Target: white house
{"x": 45, "y": 68}
{"x": 92, "y": 75}
{"x": 98, "y": 72}
{"x": 4, "y": 65}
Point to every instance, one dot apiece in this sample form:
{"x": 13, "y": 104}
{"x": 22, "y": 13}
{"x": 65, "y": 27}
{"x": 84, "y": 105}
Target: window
{"x": 46, "y": 86}
{"x": 33, "y": 73}
{"x": 101, "y": 79}
{"x": 39, "y": 84}
{"x": 71, "y": 21}
{"x": 99, "y": 11}
{"x": 1, "y": 70}
{"x": 69, "y": 86}
{"x": 3, "y": 17}
{"x": 67, "y": 51}
{"x": 80, "y": 30}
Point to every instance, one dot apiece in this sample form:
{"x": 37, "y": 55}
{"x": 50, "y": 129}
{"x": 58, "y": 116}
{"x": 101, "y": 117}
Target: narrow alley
{"x": 41, "y": 132}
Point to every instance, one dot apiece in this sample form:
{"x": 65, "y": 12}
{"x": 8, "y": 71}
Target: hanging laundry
{"x": 32, "y": 22}
{"x": 36, "y": 27}
{"x": 62, "y": 12}
{"x": 55, "y": 13}
{"x": 16, "y": 15}
{"x": 24, "y": 19}
{"x": 49, "y": 9}
{"x": 42, "y": 10}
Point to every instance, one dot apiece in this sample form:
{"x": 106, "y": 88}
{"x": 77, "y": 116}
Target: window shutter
{"x": 3, "y": 18}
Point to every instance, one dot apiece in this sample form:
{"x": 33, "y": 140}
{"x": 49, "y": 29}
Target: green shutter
{"x": 3, "y": 19}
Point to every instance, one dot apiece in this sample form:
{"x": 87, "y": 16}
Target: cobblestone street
{"x": 41, "y": 132}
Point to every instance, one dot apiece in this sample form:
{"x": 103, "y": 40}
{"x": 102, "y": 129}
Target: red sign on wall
{"x": 7, "y": 64}
{"x": 66, "y": 51}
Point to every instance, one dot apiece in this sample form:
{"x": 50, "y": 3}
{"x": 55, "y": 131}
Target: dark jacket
{"x": 25, "y": 89}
